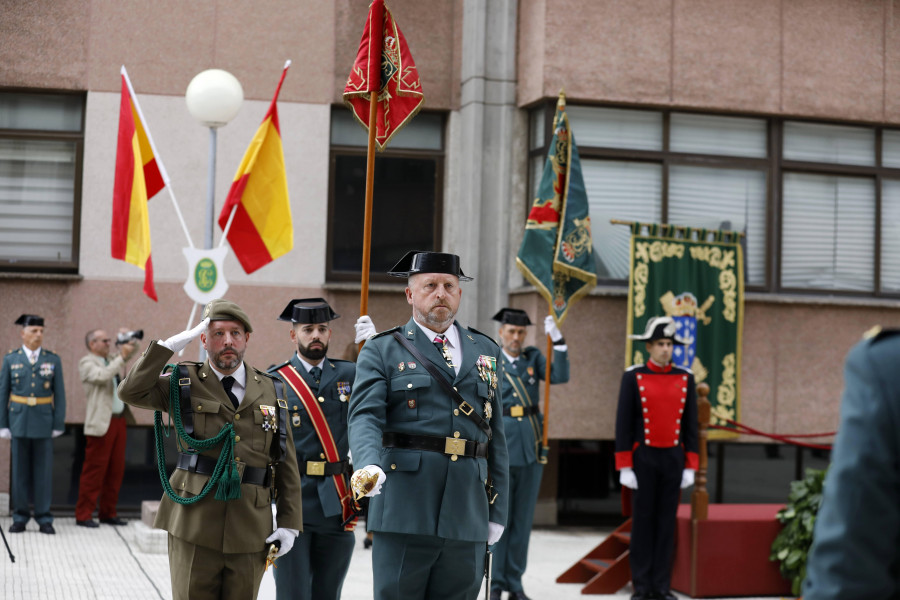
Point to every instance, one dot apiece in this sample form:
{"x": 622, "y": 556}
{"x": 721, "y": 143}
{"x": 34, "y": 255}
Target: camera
{"x": 127, "y": 336}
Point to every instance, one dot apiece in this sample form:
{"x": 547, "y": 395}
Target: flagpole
{"x": 159, "y": 162}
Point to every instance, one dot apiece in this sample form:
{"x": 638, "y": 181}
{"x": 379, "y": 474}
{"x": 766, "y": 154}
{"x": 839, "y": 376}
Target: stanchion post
{"x": 700, "y": 497}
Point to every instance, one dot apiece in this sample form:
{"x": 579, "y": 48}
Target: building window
{"x": 408, "y": 191}
{"x": 830, "y": 191}
{"x": 41, "y": 146}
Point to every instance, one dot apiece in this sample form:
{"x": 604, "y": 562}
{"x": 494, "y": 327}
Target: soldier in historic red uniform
{"x": 656, "y": 454}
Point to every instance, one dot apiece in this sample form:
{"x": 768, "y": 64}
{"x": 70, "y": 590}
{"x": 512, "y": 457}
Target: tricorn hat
{"x": 420, "y": 261}
{"x": 660, "y": 328}
{"x": 29, "y": 320}
{"x": 308, "y": 310}
{"x": 226, "y": 310}
{"x": 512, "y": 316}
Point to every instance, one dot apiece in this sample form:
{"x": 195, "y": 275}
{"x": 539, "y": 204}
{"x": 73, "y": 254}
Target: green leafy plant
{"x": 791, "y": 546}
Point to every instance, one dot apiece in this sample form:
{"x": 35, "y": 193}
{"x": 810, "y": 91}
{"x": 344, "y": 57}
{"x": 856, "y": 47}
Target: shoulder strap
{"x": 187, "y": 411}
{"x": 466, "y": 408}
{"x": 282, "y": 419}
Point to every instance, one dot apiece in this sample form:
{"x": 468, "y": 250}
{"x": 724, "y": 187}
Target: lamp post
{"x": 214, "y": 98}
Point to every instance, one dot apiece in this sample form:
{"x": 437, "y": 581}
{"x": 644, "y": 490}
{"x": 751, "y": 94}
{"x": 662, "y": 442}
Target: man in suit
{"x": 32, "y": 413}
{"x": 236, "y": 418}
{"x": 656, "y": 454}
{"x": 318, "y": 391}
{"x": 855, "y": 551}
{"x": 522, "y": 370}
{"x": 105, "y": 423}
{"x": 443, "y": 448}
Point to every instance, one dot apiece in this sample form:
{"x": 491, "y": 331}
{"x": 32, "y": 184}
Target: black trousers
{"x": 654, "y": 509}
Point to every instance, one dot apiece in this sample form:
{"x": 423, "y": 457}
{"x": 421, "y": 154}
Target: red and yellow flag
{"x": 261, "y": 229}
{"x": 138, "y": 178}
{"x": 384, "y": 65}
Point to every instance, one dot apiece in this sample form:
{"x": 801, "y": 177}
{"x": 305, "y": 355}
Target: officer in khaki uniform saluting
{"x": 440, "y": 447}
{"x": 318, "y": 393}
{"x": 32, "y": 412}
{"x": 522, "y": 370}
{"x": 217, "y": 547}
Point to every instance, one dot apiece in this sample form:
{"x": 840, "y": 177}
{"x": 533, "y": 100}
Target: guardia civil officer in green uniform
{"x": 32, "y": 413}
{"x": 856, "y": 546}
{"x": 522, "y": 371}
{"x": 318, "y": 392}
{"x": 433, "y": 452}
{"x": 218, "y": 544}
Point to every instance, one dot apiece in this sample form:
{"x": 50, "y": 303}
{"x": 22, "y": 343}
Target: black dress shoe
{"x": 367, "y": 543}
{"x": 642, "y": 596}
{"x": 113, "y": 521}
{"x": 17, "y": 527}
{"x": 47, "y": 528}
{"x": 666, "y": 596}
{"x": 495, "y": 593}
{"x": 90, "y": 523}
{"x": 518, "y": 596}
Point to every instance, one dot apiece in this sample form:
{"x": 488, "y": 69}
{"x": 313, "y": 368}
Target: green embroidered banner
{"x": 696, "y": 277}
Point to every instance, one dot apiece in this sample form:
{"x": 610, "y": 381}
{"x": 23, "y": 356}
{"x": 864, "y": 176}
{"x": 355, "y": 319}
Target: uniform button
{"x": 642, "y": 388}
{"x": 643, "y": 399}
{"x": 684, "y": 390}
{"x": 680, "y": 410}
{"x": 646, "y": 409}
{"x": 409, "y": 385}
{"x": 453, "y": 458}
{"x": 182, "y": 485}
{"x": 677, "y": 431}
{"x": 684, "y": 377}
{"x": 456, "y": 434}
{"x": 646, "y": 420}
{"x": 682, "y": 400}
{"x": 200, "y": 407}
{"x": 237, "y": 438}
{"x": 237, "y": 459}
{"x": 646, "y": 431}
{"x": 515, "y": 395}
{"x": 394, "y": 467}
{"x": 456, "y": 412}
{"x": 321, "y": 455}
{"x": 237, "y": 417}
{"x": 295, "y": 407}
{"x": 639, "y": 377}
{"x": 321, "y": 399}
{"x": 454, "y": 387}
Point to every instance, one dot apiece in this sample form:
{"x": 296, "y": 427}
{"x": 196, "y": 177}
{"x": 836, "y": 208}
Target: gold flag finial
{"x": 561, "y": 103}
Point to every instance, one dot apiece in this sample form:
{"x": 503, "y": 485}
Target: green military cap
{"x": 226, "y": 310}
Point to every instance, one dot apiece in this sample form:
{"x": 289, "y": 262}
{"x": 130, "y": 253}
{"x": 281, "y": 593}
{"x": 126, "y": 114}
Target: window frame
{"x": 774, "y": 166}
{"x": 54, "y": 267}
{"x": 439, "y": 157}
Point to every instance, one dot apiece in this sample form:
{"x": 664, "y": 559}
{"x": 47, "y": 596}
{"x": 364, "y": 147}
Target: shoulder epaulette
{"x": 14, "y": 350}
{"x": 877, "y": 334}
{"x": 633, "y": 367}
{"x": 274, "y": 368}
{"x": 473, "y": 330}
{"x": 339, "y": 360}
{"x": 188, "y": 363}
{"x": 263, "y": 373}
{"x": 386, "y": 332}
{"x": 50, "y": 352}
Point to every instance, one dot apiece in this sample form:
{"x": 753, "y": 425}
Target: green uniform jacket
{"x": 521, "y": 387}
{"x": 42, "y": 379}
{"x": 856, "y": 544}
{"x": 425, "y": 492}
{"x": 320, "y": 497}
{"x": 237, "y": 526}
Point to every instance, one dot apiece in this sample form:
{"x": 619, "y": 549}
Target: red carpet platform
{"x": 732, "y": 553}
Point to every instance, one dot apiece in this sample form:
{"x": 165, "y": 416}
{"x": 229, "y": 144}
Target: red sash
{"x": 293, "y": 379}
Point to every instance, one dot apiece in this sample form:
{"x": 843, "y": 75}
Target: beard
{"x": 317, "y": 353}
{"x": 433, "y": 321}
{"x": 226, "y": 363}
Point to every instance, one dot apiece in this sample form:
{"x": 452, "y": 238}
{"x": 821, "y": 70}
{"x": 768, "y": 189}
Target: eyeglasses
{"x": 104, "y": 340}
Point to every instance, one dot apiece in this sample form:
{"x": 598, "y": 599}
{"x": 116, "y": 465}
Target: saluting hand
{"x": 177, "y": 342}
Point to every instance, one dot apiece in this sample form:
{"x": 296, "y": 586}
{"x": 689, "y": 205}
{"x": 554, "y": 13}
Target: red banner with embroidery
{"x": 293, "y": 379}
{"x": 384, "y": 65}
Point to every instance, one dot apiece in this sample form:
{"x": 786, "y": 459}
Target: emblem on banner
{"x": 206, "y": 275}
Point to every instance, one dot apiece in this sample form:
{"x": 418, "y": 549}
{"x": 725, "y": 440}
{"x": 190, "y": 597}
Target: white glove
{"x": 365, "y": 328}
{"x": 551, "y": 329}
{"x": 286, "y": 537}
{"x": 56, "y": 433}
{"x": 5, "y": 433}
{"x": 372, "y": 470}
{"x": 177, "y": 342}
{"x": 687, "y": 478}
{"x": 628, "y": 478}
{"x": 495, "y": 531}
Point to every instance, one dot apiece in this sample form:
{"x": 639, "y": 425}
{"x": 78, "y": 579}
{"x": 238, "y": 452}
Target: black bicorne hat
{"x": 660, "y": 328}
{"x": 420, "y": 261}
{"x": 29, "y": 320}
{"x": 512, "y": 316}
{"x": 308, "y": 310}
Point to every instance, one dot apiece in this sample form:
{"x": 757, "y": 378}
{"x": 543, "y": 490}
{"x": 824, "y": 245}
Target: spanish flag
{"x": 138, "y": 178}
{"x": 261, "y": 229}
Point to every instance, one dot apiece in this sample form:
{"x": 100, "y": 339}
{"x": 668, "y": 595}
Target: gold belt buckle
{"x": 516, "y": 411}
{"x": 315, "y": 467}
{"x": 455, "y": 446}
{"x": 32, "y": 401}
{"x": 184, "y": 381}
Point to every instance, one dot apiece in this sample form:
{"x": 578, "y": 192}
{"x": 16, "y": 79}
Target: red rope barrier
{"x": 786, "y": 438}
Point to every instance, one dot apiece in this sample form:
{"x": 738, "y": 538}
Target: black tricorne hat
{"x": 308, "y": 310}
{"x": 29, "y": 320}
{"x": 420, "y": 261}
{"x": 660, "y": 328}
{"x": 512, "y": 316}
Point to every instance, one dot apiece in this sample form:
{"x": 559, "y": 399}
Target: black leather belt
{"x": 325, "y": 469}
{"x": 520, "y": 411}
{"x": 433, "y": 443}
{"x": 204, "y": 465}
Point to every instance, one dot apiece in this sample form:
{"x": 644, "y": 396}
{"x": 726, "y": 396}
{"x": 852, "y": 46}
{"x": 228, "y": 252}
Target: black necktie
{"x": 316, "y": 374}
{"x": 440, "y": 342}
{"x": 227, "y": 383}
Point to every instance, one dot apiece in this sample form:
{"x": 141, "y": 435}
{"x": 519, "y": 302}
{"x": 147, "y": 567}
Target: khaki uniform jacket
{"x": 98, "y": 381}
{"x": 235, "y": 526}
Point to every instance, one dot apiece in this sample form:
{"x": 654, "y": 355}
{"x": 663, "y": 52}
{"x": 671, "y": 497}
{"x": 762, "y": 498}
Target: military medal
{"x": 269, "y": 420}
{"x": 401, "y": 366}
{"x": 46, "y": 369}
{"x": 412, "y": 365}
{"x": 344, "y": 390}
{"x": 295, "y": 419}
